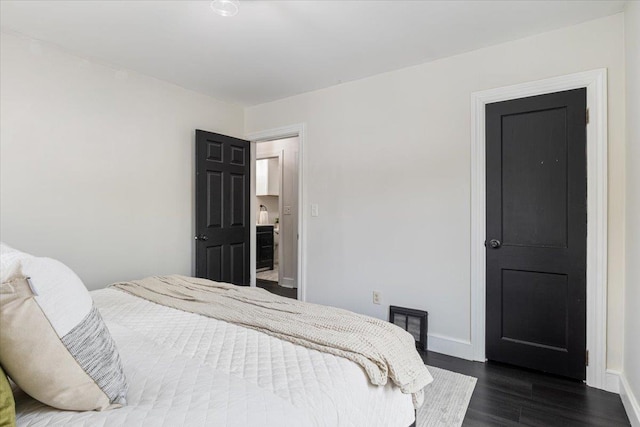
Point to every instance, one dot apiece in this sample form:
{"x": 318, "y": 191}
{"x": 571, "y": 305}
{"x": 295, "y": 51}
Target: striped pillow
{"x": 54, "y": 344}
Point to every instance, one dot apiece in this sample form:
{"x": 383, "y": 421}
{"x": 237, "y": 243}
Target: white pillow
{"x": 54, "y": 343}
{"x": 4, "y": 248}
{"x": 59, "y": 292}
{"x": 7, "y": 256}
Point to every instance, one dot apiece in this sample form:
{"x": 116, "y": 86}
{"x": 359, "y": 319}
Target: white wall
{"x": 96, "y": 164}
{"x": 631, "y": 372}
{"x": 387, "y": 159}
{"x": 288, "y": 264}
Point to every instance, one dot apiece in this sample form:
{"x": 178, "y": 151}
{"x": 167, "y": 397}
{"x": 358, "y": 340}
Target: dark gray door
{"x": 536, "y": 232}
{"x": 222, "y": 208}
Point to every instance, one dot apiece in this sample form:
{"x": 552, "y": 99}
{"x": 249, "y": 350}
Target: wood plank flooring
{"x": 510, "y": 396}
{"x": 274, "y": 288}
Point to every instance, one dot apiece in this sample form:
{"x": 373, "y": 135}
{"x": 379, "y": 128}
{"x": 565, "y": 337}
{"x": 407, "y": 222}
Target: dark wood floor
{"x": 508, "y": 396}
{"x": 274, "y": 288}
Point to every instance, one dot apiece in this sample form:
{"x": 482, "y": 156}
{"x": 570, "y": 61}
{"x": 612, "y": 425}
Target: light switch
{"x": 314, "y": 210}
{"x": 287, "y": 210}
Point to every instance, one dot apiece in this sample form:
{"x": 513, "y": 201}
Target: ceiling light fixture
{"x": 225, "y": 7}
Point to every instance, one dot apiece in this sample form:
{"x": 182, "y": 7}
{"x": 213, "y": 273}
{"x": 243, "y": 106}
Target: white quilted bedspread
{"x": 186, "y": 369}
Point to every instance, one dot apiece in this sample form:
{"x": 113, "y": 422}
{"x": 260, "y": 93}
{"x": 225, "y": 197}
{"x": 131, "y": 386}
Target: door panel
{"x": 536, "y": 219}
{"x": 214, "y": 205}
{"x": 537, "y": 216}
{"x": 214, "y": 152}
{"x": 522, "y": 293}
{"x": 222, "y": 214}
{"x": 238, "y": 154}
{"x": 214, "y": 263}
{"x": 238, "y": 208}
{"x": 238, "y": 262}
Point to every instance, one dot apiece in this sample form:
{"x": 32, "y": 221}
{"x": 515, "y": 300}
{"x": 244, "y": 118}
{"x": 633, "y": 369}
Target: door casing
{"x": 596, "y": 84}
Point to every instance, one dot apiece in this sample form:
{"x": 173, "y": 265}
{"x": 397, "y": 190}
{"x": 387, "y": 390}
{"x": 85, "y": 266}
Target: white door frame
{"x": 269, "y": 135}
{"x": 596, "y": 83}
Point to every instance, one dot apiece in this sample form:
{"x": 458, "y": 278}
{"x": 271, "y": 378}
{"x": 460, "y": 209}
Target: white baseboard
{"x": 630, "y": 402}
{"x": 288, "y": 282}
{"x": 450, "y": 346}
{"x": 612, "y": 381}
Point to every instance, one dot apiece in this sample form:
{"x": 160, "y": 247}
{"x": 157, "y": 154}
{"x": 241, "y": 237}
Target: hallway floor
{"x": 274, "y": 288}
{"x": 270, "y": 275}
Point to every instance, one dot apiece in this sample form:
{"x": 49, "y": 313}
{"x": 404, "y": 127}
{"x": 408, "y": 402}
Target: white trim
{"x": 450, "y": 346}
{"x": 287, "y": 282}
{"x": 612, "y": 381}
{"x": 280, "y": 133}
{"x": 630, "y": 402}
{"x": 596, "y": 83}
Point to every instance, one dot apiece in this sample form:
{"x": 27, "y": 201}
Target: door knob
{"x": 202, "y": 237}
{"x": 495, "y": 243}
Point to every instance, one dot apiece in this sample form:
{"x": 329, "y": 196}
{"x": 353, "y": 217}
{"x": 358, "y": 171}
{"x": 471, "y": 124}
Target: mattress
{"x": 187, "y": 369}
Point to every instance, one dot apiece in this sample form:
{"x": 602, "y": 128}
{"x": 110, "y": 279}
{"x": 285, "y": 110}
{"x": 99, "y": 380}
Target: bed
{"x": 188, "y": 369}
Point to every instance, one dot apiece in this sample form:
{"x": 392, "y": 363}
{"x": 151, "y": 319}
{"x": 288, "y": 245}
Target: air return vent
{"x": 412, "y": 321}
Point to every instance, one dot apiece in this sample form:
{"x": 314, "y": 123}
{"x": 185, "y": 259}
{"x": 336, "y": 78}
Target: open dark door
{"x": 536, "y": 232}
{"x": 222, "y": 208}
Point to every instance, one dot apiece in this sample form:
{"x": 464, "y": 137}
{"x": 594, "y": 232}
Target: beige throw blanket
{"x": 382, "y": 349}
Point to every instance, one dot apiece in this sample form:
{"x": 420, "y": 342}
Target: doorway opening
{"x": 276, "y": 212}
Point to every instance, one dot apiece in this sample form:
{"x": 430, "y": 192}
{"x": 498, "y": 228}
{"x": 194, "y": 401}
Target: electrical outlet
{"x": 314, "y": 210}
{"x": 287, "y": 210}
{"x": 377, "y": 297}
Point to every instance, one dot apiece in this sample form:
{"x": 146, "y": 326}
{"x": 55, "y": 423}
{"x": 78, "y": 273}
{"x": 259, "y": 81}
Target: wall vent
{"x": 412, "y": 321}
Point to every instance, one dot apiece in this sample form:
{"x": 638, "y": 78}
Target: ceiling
{"x": 275, "y": 49}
